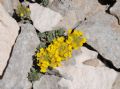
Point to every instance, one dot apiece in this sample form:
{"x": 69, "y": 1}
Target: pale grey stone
{"x": 102, "y": 32}
{"x": 116, "y": 84}
{"x": 115, "y": 10}
{"x": 15, "y": 76}
{"x": 83, "y": 76}
{"x": 44, "y": 19}
{"x": 101, "y": 29}
{"x": 8, "y": 33}
{"x": 10, "y": 5}
{"x": 47, "y": 82}
{"x": 81, "y": 8}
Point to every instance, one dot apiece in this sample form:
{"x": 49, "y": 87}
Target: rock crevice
{"x": 110, "y": 4}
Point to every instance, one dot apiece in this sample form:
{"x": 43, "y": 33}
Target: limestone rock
{"x": 102, "y": 32}
{"x": 81, "y": 76}
{"x": 86, "y": 77}
{"x": 8, "y": 6}
{"x": 116, "y": 84}
{"x": 115, "y": 10}
{"x": 76, "y": 10}
{"x": 46, "y": 82}
{"x": 43, "y": 18}
{"x": 15, "y": 76}
{"x": 101, "y": 29}
{"x": 8, "y": 33}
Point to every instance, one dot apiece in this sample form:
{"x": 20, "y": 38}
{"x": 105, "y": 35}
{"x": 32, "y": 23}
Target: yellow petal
{"x": 43, "y": 70}
{"x": 21, "y": 14}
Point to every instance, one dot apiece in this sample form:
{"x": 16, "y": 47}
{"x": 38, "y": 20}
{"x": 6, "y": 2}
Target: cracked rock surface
{"x": 101, "y": 29}
{"x": 83, "y": 76}
{"x": 44, "y": 19}
{"x": 15, "y": 76}
{"x": 47, "y": 82}
{"x": 77, "y": 75}
{"x": 84, "y": 70}
{"x": 8, "y": 33}
{"x": 115, "y": 10}
{"x": 9, "y": 5}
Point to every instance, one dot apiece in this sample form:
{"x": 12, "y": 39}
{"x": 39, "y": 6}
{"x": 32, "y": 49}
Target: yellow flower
{"x": 60, "y": 39}
{"x": 70, "y": 47}
{"x": 59, "y": 50}
{"x": 42, "y": 50}
{"x": 38, "y": 54}
{"x": 21, "y": 14}
{"x": 69, "y": 31}
{"x": 28, "y": 9}
{"x": 43, "y": 70}
{"x": 84, "y": 40}
{"x": 58, "y": 59}
{"x": 53, "y": 65}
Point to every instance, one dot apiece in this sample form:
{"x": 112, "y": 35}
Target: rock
{"x": 92, "y": 62}
{"x": 8, "y": 33}
{"x": 43, "y": 18}
{"x": 116, "y": 84}
{"x": 81, "y": 76}
{"x": 115, "y": 10}
{"x": 76, "y": 10}
{"x": 15, "y": 76}
{"x": 101, "y": 29}
{"x": 10, "y": 5}
{"x": 15, "y": 3}
{"x": 47, "y": 82}
{"x": 102, "y": 32}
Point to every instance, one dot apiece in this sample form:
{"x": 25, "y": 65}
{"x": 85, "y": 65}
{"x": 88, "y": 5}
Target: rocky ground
{"x": 94, "y": 66}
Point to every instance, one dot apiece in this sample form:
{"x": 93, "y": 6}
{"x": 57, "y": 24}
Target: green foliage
{"x": 33, "y": 75}
{"x": 43, "y": 2}
{"x": 47, "y": 37}
{"x": 23, "y": 11}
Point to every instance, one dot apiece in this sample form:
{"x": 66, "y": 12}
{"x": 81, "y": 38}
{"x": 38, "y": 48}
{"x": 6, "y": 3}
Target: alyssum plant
{"x": 56, "y": 46}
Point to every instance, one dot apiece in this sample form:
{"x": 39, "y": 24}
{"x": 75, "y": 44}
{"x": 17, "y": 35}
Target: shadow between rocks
{"x": 110, "y": 4}
{"x": 107, "y": 62}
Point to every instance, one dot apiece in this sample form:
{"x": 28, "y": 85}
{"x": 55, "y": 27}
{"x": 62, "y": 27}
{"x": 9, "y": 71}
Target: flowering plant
{"x": 57, "y": 50}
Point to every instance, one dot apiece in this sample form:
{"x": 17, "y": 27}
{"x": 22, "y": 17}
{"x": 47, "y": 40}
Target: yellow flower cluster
{"x": 23, "y": 11}
{"x": 59, "y": 50}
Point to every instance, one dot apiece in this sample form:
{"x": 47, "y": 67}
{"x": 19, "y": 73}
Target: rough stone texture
{"x": 76, "y": 10}
{"x": 10, "y": 5}
{"x": 15, "y": 3}
{"x": 76, "y": 75}
{"x": 101, "y": 29}
{"x": 43, "y": 18}
{"x": 1, "y": 1}
{"x": 103, "y": 34}
{"x": 15, "y": 76}
{"x": 115, "y": 10}
{"x": 81, "y": 76}
{"x": 92, "y": 62}
{"x": 47, "y": 82}
{"x": 8, "y": 33}
{"x": 116, "y": 84}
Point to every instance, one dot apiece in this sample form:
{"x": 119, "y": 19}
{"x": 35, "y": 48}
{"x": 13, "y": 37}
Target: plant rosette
{"x": 23, "y": 10}
{"x": 55, "y": 51}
